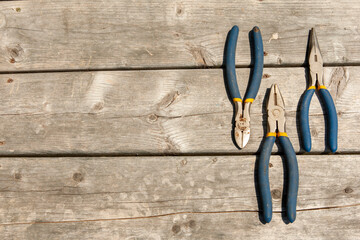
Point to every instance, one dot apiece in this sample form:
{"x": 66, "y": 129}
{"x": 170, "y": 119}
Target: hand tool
{"x": 242, "y": 115}
{"x": 317, "y": 77}
{"x": 276, "y": 128}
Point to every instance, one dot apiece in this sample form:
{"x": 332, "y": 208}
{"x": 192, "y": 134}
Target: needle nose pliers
{"x": 317, "y": 77}
{"x": 276, "y": 128}
{"x": 242, "y": 115}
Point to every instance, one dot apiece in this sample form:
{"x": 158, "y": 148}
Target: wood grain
{"x": 172, "y": 197}
{"x": 330, "y": 224}
{"x": 159, "y": 112}
{"x": 75, "y": 34}
{"x": 65, "y": 132}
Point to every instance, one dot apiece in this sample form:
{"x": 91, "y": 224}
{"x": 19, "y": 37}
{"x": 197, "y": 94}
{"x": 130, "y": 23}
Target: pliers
{"x": 242, "y": 115}
{"x": 276, "y": 128}
{"x": 317, "y": 77}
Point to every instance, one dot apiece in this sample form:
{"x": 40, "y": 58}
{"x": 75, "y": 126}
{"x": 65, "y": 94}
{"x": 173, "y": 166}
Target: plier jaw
{"x": 242, "y": 123}
{"x": 275, "y": 110}
{"x": 315, "y": 61}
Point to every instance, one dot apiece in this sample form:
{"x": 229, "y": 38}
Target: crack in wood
{"x": 171, "y": 214}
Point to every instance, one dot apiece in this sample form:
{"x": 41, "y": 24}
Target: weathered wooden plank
{"x": 156, "y": 112}
{"x": 180, "y": 197}
{"x": 330, "y": 224}
{"x": 75, "y": 34}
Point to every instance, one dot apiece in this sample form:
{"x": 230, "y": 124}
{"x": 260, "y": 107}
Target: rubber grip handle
{"x": 332, "y": 121}
{"x": 230, "y": 62}
{"x": 253, "y": 86}
{"x": 304, "y": 119}
{"x": 263, "y": 178}
{"x": 293, "y": 177}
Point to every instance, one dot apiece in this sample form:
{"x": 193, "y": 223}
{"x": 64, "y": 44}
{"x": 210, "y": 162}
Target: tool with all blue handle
{"x": 317, "y": 78}
{"x": 242, "y": 116}
{"x": 276, "y": 128}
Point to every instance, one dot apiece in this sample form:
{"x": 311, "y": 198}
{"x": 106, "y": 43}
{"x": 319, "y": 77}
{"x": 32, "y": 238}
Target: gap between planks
{"x": 195, "y": 154}
{"x": 303, "y": 65}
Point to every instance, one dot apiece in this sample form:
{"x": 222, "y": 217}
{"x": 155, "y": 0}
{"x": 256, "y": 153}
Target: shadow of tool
{"x": 256, "y": 183}
{"x": 285, "y": 187}
{"x": 306, "y": 72}
{"x": 226, "y": 80}
{"x": 228, "y": 92}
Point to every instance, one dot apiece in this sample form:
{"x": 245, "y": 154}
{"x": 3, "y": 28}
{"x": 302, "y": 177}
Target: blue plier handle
{"x": 292, "y": 180}
{"x": 331, "y": 119}
{"x": 255, "y": 81}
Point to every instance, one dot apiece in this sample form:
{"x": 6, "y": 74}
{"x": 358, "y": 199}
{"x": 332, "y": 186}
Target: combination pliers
{"x": 276, "y": 128}
{"x": 242, "y": 115}
{"x": 317, "y": 77}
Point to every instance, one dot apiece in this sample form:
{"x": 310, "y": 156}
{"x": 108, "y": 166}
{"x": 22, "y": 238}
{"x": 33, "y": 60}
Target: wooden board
{"x": 159, "y": 112}
{"x": 331, "y": 224}
{"x": 173, "y": 197}
{"x": 85, "y": 83}
{"x": 75, "y": 34}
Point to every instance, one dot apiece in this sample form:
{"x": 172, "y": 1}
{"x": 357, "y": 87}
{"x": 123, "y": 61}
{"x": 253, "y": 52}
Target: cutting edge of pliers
{"x": 316, "y": 81}
{"x": 242, "y": 108}
{"x": 276, "y": 129}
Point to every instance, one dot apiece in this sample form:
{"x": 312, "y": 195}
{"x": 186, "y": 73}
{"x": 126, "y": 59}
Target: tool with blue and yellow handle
{"x": 317, "y": 78}
{"x": 276, "y": 128}
{"x": 242, "y": 115}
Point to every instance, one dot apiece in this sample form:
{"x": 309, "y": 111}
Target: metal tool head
{"x": 242, "y": 124}
{"x": 276, "y": 110}
{"x": 315, "y": 60}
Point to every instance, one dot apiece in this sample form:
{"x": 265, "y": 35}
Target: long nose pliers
{"x": 276, "y": 128}
{"x": 242, "y": 115}
{"x": 317, "y": 77}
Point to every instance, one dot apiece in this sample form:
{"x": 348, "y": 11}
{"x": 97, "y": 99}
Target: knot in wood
{"x": 348, "y": 190}
{"x": 314, "y": 133}
{"x": 266, "y": 75}
{"x": 17, "y": 176}
{"x": 152, "y": 118}
{"x": 276, "y": 194}
{"x": 179, "y": 10}
{"x": 78, "y": 177}
{"x": 176, "y": 229}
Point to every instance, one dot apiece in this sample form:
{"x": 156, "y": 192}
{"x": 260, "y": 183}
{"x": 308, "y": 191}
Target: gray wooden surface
{"x": 113, "y": 34}
{"x": 224, "y": 225}
{"x": 113, "y": 127}
{"x": 159, "y": 111}
{"x": 179, "y": 197}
